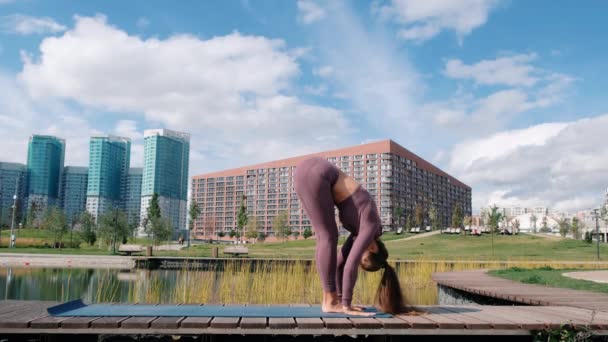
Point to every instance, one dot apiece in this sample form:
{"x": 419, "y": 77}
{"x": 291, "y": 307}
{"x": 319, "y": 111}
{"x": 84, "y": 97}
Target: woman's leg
{"x": 314, "y": 179}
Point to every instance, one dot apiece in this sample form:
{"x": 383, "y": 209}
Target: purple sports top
{"x": 314, "y": 180}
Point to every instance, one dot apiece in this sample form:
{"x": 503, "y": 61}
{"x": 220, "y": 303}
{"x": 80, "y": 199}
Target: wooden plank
{"x": 366, "y": 323}
{"x": 195, "y": 322}
{"x": 468, "y": 321}
{"x": 253, "y": 323}
{"x": 526, "y": 322}
{"x": 481, "y": 313}
{"x": 309, "y": 323}
{"x": 442, "y": 321}
{"x": 77, "y": 322}
{"x": 48, "y": 322}
{"x": 393, "y": 323}
{"x": 14, "y": 306}
{"x": 337, "y": 323}
{"x": 22, "y": 318}
{"x": 549, "y": 320}
{"x": 137, "y": 322}
{"x": 225, "y": 322}
{"x": 419, "y": 322}
{"x": 107, "y": 322}
{"x": 166, "y": 322}
{"x": 281, "y": 323}
{"x": 570, "y": 313}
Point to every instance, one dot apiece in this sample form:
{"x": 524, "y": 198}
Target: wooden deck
{"x": 31, "y": 317}
{"x": 478, "y": 282}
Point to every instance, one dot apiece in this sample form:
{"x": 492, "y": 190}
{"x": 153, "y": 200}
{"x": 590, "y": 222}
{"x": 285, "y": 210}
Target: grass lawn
{"x": 517, "y": 247}
{"x": 549, "y": 277}
{"x": 441, "y": 246}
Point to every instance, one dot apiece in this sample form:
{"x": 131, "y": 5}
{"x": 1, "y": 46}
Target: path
{"x": 480, "y": 283}
{"x": 596, "y": 276}
{"x": 31, "y": 317}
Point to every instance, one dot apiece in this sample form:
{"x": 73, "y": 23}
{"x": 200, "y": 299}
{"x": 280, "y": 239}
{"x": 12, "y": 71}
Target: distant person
{"x": 320, "y": 185}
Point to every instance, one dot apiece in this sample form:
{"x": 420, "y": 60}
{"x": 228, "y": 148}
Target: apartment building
{"x": 394, "y": 176}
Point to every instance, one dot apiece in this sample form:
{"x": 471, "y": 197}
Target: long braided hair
{"x": 389, "y": 297}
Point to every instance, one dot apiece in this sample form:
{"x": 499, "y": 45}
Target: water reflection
{"x": 236, "y": 283}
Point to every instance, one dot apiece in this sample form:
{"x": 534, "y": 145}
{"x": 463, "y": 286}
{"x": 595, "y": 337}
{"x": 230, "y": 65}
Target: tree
{"x": 419, "y": 218}
{"x": 232, "y": 233}
{"x": 242, "y": 217}
{"x": 280, "y": 226}
{"x": 153, "y": 207}
{"x": 220, "y": 234}
{"x": 113, "y": 227}
{"x": 33, "y": 219}
{"x": 494, "y": 217}
{"x": 161, "y": 229}
{"x": 397, "y": 215}
{"x": 193, "y": 213}
{"x": 88, "y": 228}
{"x": 307, "y": 233}
{"x": 576, "y": 228}
{"x": 408, "y": 223}
{"x": 544, "y": 228}
{"x": 533, "y": 219}
{"x": 261, "y": 236}
{"x": 467, "y": 221}
{"x": 456, "y": 217}
{"x": 515, "y": 226}
{"x": 433, "y": 217}
{"x": 604, "y": 214}
{"x": 55, "y": 221}
{"x": 252, "y": 229}
{"x": 564, "y": 227}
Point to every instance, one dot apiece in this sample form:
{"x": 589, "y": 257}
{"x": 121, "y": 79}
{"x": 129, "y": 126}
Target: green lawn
{"x": 442, "y": 246}
{"x": 549, "y": 277}
{"x": 518, "y": 247}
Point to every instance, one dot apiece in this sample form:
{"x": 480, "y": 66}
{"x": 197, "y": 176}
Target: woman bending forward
{"x": 320, "y": 185}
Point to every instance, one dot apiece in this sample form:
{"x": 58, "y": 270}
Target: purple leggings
{"x": 314, "y": 179}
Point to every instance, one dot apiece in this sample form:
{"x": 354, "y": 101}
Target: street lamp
{"x": 12, "y": 237}
{"x": 597, "y": 232}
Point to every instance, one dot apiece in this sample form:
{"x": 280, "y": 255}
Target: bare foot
{"x": 353, "y": 312}
{"x": 331, "y": 302}
{"x": 332, "y": 308}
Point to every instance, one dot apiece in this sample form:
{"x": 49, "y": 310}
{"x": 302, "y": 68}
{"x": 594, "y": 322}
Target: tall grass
{"x": 246, "y": 282}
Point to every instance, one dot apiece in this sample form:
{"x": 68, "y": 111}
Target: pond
{"x": 237, "y": 282}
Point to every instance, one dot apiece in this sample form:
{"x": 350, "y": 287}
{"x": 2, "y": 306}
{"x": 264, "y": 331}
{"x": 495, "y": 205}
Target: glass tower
{"x": 133, "y": 200}
{"x": 12, "y": 177}
{"x": 45, "y": 158}
{"x": 166, "y": 158}
{"x": 74, "y": 191}
{"x": 109, "y": 161}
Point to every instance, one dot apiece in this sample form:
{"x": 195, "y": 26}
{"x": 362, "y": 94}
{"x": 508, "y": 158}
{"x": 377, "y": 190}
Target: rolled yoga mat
{"x": 77, "y": 308}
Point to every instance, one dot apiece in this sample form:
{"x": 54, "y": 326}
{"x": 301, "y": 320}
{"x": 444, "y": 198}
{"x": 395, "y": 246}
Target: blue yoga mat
{"x": 78, "y": 308}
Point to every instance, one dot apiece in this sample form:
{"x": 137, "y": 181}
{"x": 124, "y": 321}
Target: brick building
{"x": 394, "y": 176}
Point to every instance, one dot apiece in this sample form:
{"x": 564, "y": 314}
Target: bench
{"x": 236, "y": 250}
{"x": 130, "y": 249}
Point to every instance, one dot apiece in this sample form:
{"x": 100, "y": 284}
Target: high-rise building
{"x": 166, "y": 158}
{"x": 45, "y": 157}
{"x": 12, "y": 182}
{"x": 133, "y": 199}
{"x": 109, "y": 161}
{"x": 74, "y": 191}
{"x": 394, "y": 176}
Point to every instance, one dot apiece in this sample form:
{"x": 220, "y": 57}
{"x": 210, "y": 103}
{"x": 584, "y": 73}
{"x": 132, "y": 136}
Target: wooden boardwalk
{"x": 31, "y": 317}
{"x": 478, "y": 282}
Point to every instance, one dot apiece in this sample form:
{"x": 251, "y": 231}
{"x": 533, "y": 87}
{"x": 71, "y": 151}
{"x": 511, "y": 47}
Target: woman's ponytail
{"x": 389, "y": 297}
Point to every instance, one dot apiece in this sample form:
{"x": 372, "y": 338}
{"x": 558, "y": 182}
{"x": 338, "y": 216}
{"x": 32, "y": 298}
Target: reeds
{"x": 284, "y": 282}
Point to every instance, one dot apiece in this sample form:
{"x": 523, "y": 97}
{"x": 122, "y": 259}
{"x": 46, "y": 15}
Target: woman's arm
{"x": 342, "y": 256}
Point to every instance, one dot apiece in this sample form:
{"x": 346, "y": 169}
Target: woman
{"x": 319, "y": 185}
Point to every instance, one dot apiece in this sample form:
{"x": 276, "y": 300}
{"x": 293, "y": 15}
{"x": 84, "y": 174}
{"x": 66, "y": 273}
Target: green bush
{"x": 533, "y": 279}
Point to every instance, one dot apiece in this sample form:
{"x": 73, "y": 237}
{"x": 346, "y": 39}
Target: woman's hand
{"x": 356, "y": 311}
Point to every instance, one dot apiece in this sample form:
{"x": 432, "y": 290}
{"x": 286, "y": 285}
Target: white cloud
{"x": 230, "y": 89}
{"x": 324, "y": 71}
{"x": 511, "y": 71}
{"x": 310, "y": 11}
{"x": 377, "y": 81}
{"x": 318, "y": 90}
{"x": 562, "y": 165}
{"x": 423, "y": 20}
{"x": 25, "y": 25}
{"x": 528, "y": 88}
{"x": 20, "y": 118}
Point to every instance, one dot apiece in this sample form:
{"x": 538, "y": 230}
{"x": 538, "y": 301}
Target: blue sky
{"x": 506, "y": 95}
